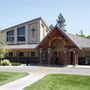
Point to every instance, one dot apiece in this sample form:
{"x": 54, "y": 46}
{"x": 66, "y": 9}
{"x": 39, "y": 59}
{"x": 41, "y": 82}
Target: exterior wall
{"x": 81, "y": 54}
{"x": 84, "y": 57}
{"x": 43, "y": 30}
{"x": 36, "y": 38}
{"x": 27, "y": 58}
{"x": 27, "y": 53}
{"x": 39, "y": 32}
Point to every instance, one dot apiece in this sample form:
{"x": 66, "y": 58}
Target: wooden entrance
{"x": 54, "y": 59}
{"x": 71, "y": 57}
{"x": 55, "y": 49}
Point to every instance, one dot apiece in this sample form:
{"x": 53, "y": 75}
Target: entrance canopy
{"x": 57, "y": 38}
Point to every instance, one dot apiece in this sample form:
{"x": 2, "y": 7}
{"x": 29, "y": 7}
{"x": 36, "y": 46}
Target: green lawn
{"x": 6, "y": 77}
{"x": 61, "y": 82}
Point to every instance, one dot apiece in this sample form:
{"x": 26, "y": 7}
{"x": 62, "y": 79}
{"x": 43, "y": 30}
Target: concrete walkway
{"x": 23, "y": 82}
{"x": 38, "y": 72}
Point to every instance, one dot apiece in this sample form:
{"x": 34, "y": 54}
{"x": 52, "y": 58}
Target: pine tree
{"x": 61, "y": 22}
{"x": 51, "y": 27}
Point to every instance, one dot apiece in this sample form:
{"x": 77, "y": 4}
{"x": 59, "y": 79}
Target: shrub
{"x": 15, "y": 64}
{"x": 6, "y": 62}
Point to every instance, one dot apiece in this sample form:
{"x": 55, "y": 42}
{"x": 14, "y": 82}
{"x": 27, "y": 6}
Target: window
{"x": 21, "y": 53}
{"x": 21, "y": 34}
{"x": 33, "y": 54}
{"x": 10, "y": 36}
{"x": 10, "y": 54}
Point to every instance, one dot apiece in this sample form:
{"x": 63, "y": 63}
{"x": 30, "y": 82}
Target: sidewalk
{"x": 38, "y": 72}
{"x": 83, "y": 66}
{"x": 23, "y": 82}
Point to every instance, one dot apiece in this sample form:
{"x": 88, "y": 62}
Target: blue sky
{"x": 76, "y": 13}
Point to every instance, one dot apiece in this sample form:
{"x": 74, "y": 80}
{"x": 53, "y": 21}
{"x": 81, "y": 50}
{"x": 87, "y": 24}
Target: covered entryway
{"x": 56, "y": 45}
{"x": 55, "y": 49}
{"x": 71, "y": 57}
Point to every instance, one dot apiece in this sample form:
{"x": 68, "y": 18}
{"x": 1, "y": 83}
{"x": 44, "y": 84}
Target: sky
{"x": 75, "y": 12}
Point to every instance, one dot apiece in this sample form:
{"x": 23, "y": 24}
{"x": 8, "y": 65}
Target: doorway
{"x": 71, "y": 57}
{"x": 55, "y": 58}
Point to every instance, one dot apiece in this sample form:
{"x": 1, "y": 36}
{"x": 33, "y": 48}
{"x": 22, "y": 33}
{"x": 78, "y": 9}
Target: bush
{"x": 6, "y": 62}
{"x": 15, "y": 64}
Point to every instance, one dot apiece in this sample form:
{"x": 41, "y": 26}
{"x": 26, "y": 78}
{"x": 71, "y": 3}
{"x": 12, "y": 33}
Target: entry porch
{"x": 57, "y": 49}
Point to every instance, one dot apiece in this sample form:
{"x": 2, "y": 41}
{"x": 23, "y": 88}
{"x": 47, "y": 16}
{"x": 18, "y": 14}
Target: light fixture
{"x": 65, "y": 50}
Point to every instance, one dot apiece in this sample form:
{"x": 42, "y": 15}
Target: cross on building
{"x": 33, "y": 30}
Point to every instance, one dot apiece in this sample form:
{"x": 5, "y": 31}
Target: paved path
{"x": 23, "y": 82}
{"x": 36, "y": 73}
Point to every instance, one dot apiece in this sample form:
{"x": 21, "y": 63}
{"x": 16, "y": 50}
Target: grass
{"x": 6, "y": 77}
{"x": 61, "y": 82}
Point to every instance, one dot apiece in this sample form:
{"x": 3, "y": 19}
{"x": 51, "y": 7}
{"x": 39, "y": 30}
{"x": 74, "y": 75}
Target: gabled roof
{"x": 78, "y": 41}
{"x": 39, "y": 18}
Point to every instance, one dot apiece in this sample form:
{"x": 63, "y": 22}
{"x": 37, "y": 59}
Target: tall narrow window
{"x": 10, "y": 36}
{"x": 21, "y": 34}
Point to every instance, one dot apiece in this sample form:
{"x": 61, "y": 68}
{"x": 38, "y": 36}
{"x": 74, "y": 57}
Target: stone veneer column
{"x": 65, "y": 56}
{"x": 75, "y": 57}
{"x": 49, "y": 56}
{"x": 40, "y": 55}
{"x": 68, "y": 56}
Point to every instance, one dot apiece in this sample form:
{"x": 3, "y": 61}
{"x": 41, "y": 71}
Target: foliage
{"x": 88, "y": 36}
{"x": 61, "y": 22}
{"x": 51, "y": 27}
{"x": 15, "y": 64}
{"x": 6, "y": 62}
{"x": 61, "y": 82}
{"x": 6, "y": 77}
{"x": 81, "y": 34}
{"x": 3, "y": 51}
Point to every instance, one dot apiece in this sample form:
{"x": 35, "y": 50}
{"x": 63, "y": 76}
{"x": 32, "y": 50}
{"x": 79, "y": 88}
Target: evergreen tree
{"x": 88, "y": 37}
{"x": 61, "y": 22}
{"x": 81, "y": 34}
{"x": 51, "y": 27}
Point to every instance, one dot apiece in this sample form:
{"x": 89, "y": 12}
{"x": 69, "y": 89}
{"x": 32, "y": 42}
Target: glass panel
{"x": 32, "y": 54}
{"x": 10, "y": 33}
{"x": 21, "y": 38}
{"x": 10, "y": 39}
{"x": 21, "y": 31}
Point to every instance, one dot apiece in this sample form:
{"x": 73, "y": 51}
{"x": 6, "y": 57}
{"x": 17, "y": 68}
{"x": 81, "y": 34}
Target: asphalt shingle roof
{"x": 31, "y": 46}
{"x": 80, "y": 41}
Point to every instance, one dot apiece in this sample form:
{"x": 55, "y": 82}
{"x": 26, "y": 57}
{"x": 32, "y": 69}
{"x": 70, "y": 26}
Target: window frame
{"x": 21, "y": 34}
{"x": 8, "y": 38}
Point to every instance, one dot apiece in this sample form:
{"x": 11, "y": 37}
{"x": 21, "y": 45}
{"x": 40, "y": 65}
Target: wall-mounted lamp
{"x": 74, "y": 49}
{"x": 48, "y": 50}
{"x": 65, "y": 50}
{"x": 40, "y": 50}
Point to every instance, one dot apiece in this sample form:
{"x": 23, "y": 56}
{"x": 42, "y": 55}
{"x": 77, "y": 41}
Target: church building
{"x": 32, "y": 41}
